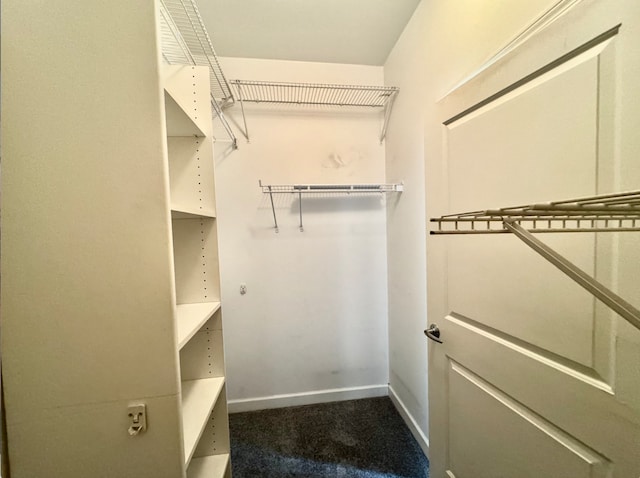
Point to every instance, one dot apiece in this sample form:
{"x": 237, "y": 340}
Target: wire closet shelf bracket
{"x": 300, "y": 189}
{"x": 315, "y": 94}
{"x": 185, "y": 41}
{"x": 619, "y": 212}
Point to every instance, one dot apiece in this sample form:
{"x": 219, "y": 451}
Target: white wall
{"x": 315, "y": 316}
{"x": 313, "y": 324}
{"x": 406, "y": 68}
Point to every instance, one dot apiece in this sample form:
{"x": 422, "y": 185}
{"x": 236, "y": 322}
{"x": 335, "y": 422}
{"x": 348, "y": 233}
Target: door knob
{"x": 433, "y": 332}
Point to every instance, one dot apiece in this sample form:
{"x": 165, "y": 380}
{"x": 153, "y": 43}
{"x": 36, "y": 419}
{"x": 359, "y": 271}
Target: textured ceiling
{"x": 333, "y": 31}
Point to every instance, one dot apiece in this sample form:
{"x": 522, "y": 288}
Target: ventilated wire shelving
{"x": 323, "y": 189}
{"x": 331, "y": 188}
{"x": 610, "y": 212}
{"x": 185, "y": 41}
{"x": 619, "y": 212}
{"x": 187, "y": 20}
{"x": 314, "y": 94}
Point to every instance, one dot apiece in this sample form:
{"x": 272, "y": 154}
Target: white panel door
{"x": 534, "y": 377}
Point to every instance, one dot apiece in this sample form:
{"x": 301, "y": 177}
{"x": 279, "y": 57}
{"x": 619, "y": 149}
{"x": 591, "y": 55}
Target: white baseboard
{"x": 420, "y": 437}
{"x": 307, "y": 398}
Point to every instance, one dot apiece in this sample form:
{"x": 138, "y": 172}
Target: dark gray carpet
{"x": 357, "y": 438}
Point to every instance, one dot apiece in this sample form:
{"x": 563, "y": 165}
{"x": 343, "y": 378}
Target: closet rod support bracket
{"x": 387, "y": 114}
{"x": 273, "y": 208}
{"x": 300, "y": 208}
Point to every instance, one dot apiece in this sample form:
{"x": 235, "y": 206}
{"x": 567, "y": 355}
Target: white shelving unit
{"x": 197, "y": 285}
{"x": 110, "y": 279}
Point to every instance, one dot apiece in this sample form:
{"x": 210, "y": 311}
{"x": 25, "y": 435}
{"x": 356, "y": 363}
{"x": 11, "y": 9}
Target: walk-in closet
{"x": 320, "y": 238}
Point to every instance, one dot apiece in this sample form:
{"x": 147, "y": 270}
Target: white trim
{"x": 417, "y": 433}
{"x": 307, "y": 398}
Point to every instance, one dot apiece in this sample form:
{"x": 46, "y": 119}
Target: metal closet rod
{"x": 300, "y": 189}
{"x": 618, "y": 212}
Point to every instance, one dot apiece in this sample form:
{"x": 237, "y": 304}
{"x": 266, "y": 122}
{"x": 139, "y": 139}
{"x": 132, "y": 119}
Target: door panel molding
{"x": 482, "y": 403}
{"x": 576, "y": 370}
{"x": 553, "y": 65}
{"x": 543, "y": 21}
{"x": 581, "y": 408}
{"x": 558, "y": 42}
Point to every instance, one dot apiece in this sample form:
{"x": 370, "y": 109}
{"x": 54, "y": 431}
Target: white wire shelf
{"x": 316, "y": 94}
{"x": 186, "y": 19}
{"x": 619, "y": 212}
{"x": 610, "y": 212}
{"x": 331, "y": 188}
{"x": 185, "y": 41}
{"x": 323, "y": 189}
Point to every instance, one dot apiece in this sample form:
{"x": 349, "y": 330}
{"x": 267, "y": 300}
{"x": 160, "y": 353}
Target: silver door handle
{"x": 433, "y": 332}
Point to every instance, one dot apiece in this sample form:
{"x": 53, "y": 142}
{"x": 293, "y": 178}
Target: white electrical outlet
{"x": 243, "y": 289}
